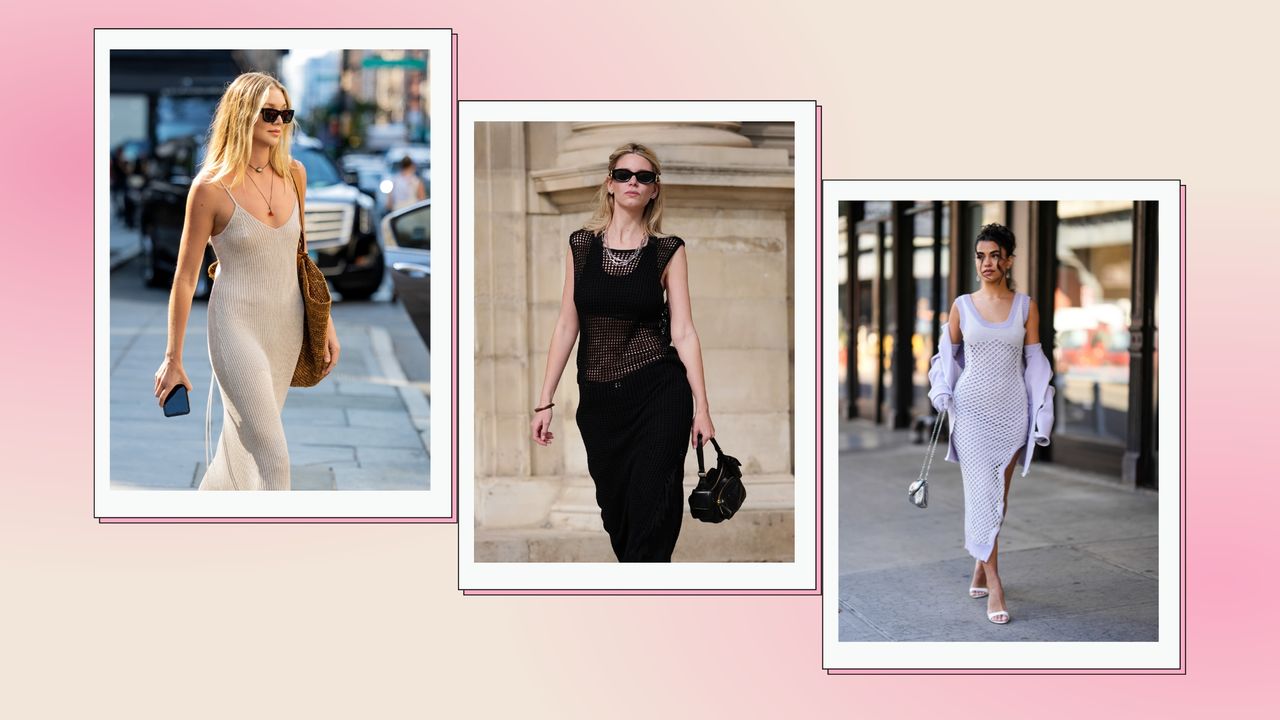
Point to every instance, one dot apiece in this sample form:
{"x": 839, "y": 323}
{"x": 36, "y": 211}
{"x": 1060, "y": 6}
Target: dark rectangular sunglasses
{"x": 270, "y": 115}
{"x": 644, "y": 177}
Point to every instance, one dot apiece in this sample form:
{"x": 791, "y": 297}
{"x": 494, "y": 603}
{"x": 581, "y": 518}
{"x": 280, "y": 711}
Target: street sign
{"x": 377, "y": 61}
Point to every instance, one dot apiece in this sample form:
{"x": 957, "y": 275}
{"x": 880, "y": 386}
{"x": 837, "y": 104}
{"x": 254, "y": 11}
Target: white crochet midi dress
{"x": 988, "y": 416}
{"x": 255, "y": 334}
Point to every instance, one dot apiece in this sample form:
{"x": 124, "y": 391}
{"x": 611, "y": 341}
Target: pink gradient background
{"x": 366, "y": 621}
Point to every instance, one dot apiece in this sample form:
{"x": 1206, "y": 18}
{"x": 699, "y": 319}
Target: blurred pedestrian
{"x": 117, "y": 181}
{"x": 406, "y": 187}
{"x": 248, "y": 200}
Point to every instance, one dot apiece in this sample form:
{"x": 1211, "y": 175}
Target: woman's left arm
{"x": 1033, "y": 323}
{"x": 685, "y": 339}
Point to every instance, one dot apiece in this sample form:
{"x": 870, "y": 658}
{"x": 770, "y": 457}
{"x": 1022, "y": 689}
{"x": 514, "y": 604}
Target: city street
{"x": 365, "y": 427}
{"x": 1078, "y": 553}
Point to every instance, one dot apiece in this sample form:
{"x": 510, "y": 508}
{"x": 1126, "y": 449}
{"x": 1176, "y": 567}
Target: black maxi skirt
{"x": 636, "y": 431}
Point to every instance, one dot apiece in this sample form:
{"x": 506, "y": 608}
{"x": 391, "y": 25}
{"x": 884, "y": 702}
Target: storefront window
{"x": 877, "y": 209}
{"x": 842, "y": 302}
{"x": 924, "y": 311}
{"x": 944, "y": 278}
{"x": 887, "y": 316}
{"x": 868, "y": 341}
{"x": 1092, "y": 308}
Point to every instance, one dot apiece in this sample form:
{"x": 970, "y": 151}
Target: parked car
{"x": 342, "y": 236}
{"x": 163, "y": 202}
{"x": 407, "y": 235}
{"x": 364, "y": 170}
{"x": 419, "y": 154}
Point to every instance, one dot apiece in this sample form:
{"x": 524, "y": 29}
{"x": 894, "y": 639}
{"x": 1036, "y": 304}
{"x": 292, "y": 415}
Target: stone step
{"x": 576, "y": 510}
{"x": 766, "y": 535}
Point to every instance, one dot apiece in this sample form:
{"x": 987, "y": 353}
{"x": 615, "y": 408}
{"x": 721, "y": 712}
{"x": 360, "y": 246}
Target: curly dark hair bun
{"x": 998, "y": 234}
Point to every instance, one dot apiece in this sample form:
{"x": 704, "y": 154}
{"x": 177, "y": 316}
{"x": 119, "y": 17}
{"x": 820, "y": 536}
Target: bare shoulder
{"x": 296, "y": 166}
{"x": 206, "y": 191}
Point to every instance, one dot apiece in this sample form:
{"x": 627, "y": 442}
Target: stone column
{"x": 507, "y": 493}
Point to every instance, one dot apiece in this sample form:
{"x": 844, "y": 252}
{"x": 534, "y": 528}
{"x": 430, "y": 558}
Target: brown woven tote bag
{"x": 316, "y": 303}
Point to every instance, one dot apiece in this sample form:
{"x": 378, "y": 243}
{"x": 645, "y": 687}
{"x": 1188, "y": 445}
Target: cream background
{"x": 341, "y": 621}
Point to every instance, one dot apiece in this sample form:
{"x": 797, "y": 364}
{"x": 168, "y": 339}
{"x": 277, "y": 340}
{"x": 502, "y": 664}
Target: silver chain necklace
{"x": 621, "y": 259}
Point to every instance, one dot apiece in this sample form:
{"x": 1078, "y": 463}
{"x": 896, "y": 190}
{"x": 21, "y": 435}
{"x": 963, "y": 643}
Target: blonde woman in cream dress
{"x": 246, "y": 200}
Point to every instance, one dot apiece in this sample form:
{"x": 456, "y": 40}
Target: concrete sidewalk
{"x": 1078, "y": 553}
{"x": 366, "y": 427}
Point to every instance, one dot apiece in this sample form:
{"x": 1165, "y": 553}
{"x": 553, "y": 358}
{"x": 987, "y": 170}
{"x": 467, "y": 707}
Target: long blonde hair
{"x": 231, "y": 132}
{"x": 604, "y": 201}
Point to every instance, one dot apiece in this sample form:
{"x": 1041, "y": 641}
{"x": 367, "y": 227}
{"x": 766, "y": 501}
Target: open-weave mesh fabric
{"x": 623, "y": 320}
{"x": 989, "y": 418}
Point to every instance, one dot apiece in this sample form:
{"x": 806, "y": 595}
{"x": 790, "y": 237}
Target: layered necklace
{"x": 621, "y": 260}
{"x": 267, "y": 198}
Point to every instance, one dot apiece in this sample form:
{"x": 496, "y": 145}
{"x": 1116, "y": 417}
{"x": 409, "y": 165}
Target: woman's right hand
{"x": 541, "y": 427}
{"x": 169, "y": 376}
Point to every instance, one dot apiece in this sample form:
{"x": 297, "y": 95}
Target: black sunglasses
{"x": 271, "y": 114}
{"x": 644, "y": 177}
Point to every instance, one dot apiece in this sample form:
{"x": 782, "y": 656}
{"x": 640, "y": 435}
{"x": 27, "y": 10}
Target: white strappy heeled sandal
{"x": 978, "y": 592}
{"x": 999, "y": 613}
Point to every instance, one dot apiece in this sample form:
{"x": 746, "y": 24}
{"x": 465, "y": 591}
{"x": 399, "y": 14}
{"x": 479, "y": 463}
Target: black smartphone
{"x": 177, "y": 403}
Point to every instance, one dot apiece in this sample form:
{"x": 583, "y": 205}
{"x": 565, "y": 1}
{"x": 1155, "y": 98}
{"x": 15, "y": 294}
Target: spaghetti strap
{"x": 233, "y": 197}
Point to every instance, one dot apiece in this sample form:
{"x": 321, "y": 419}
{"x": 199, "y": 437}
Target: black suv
{"x": 341, "y": 229}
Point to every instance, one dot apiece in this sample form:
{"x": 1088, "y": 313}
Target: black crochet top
{"x": 623, "y": 320}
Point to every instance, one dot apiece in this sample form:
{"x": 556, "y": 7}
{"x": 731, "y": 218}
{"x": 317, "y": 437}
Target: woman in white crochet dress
{"x": 988, "y": 404}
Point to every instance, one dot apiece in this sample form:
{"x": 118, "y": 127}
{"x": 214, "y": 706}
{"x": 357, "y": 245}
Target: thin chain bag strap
{"x": 918, "y": 492}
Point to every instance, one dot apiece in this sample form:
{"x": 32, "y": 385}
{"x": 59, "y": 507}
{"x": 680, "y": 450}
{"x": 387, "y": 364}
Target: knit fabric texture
{"x": 635, "y": 405}
{"x": 623, "y": 320}
{"x": 255, "y": 334}
{"x": 988, "y": 417}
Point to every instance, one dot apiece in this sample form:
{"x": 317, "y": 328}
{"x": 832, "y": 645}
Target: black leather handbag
{"x": 720, "y": 492}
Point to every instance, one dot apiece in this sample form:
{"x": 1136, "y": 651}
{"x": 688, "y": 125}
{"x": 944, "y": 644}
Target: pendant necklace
{"x": 270, "y": 211}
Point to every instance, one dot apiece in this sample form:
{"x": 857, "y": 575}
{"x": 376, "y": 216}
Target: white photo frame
{"x": 435, "y": 503}
{"x": 1162, "y": 655}
{"x": 779, "y": 577}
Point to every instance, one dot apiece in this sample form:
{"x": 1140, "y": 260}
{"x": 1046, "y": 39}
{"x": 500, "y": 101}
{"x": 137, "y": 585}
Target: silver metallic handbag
{"x": 918, "y": 492}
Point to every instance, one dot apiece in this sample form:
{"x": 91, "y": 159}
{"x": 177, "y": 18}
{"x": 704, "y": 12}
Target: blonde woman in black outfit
{"x": 642, "y": 395}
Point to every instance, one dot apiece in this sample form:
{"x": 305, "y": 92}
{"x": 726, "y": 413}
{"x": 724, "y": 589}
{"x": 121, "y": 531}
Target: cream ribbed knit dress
{"x": 255, "y": 334}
